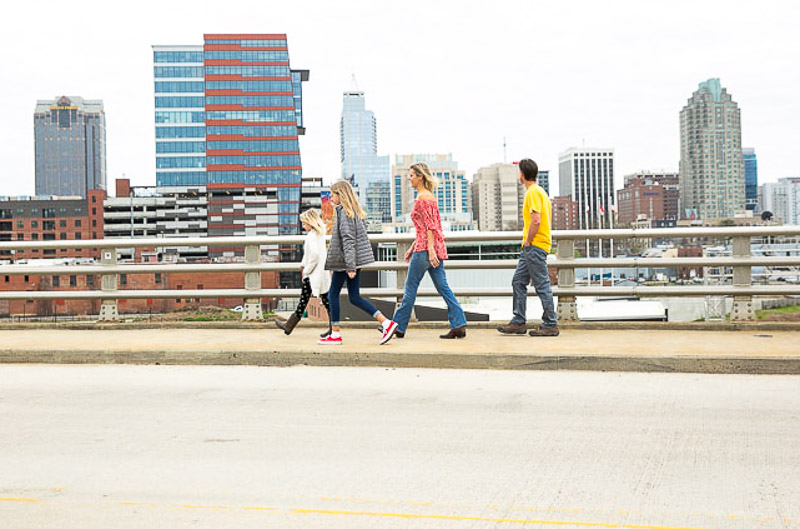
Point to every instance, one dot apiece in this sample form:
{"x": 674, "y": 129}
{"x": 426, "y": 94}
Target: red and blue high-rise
{"x": 251, "y": 119}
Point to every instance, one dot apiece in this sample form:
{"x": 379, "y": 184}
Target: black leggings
{"x": 305, "y": 295}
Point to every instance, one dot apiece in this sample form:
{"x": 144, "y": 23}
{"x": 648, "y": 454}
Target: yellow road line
{"x": 483, "y": 519}
{"x": 18, "y": 499}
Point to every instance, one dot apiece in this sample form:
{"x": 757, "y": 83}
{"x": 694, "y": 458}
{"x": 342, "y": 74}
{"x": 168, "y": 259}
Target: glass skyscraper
{"x": 70, "y": 146}
{"x": 228, "y": 116}
{"x": 361, "y": 165}
{"x": 750, "y": 178}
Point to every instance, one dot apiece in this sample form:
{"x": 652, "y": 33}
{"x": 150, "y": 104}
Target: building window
{"x": 94, "y": 211}
{"x": 62, "y": 223}
{"x": 49, "y": 225}
{"x": 27, "y": 278}
{"x": 35, "y": 236}
{"x": 20, "y": 236}
{"x": 78, "y": 222}
{"x": 63, "y": 236}
{"x": 94, "y": 199}
{"x": 7, "y": 279}
{"x": 78, "y": 235}
{"x": 123, "y": 279}
{"x": 49, "y": 251}
{"x": 56, "y": 281}
{"x": 20, "y": 224}
{"x": 49, "y": 213}
{"x": 73, "y": 281}
{"x": 94, "y": 224}
{"x": 89, "y": 281}
{"x": 158, "y": 278}
{"x": 34, "y": 224}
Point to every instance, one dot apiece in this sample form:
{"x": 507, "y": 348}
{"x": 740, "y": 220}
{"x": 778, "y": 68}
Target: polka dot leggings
{"x": 305, "y": 295}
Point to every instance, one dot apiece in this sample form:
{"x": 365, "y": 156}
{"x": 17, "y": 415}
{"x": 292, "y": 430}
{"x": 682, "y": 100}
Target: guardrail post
{"x": 742, "y": 305}
{"x": 252, "y": 281}
{"x": 108, "y": 283}
{"x": 567, "y": 308}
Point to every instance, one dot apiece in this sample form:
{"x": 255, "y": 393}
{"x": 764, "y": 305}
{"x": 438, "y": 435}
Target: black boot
{"x": 328, "y": 332}
{"x": 289, "y": 325}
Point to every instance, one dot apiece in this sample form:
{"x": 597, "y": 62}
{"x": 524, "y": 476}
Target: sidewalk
{"x": 765, "y": 349}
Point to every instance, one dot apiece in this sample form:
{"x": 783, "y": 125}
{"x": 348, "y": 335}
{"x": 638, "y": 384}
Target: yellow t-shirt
{"x": 537, "y": 200}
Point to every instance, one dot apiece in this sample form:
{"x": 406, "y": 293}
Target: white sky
{"x": 441, "y": 76}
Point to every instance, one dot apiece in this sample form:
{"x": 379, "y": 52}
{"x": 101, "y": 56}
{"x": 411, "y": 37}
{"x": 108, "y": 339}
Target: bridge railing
{"x": 108, "y": 268}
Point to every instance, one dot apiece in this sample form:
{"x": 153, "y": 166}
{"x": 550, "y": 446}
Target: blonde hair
{"x": 348, "y": 199}
{"x": 424, "y": 172}
{"x": 314, "y": 221}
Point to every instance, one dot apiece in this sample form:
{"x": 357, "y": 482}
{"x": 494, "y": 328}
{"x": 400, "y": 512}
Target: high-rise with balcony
{"x": 361, "y": 165}
{"x": 587, "y": 175}
{"x": 70, "y": 146}
{"x": 750, "y": 178}
{"x": 228, "y": 117}
{"x": 712, "y": 178}
{"x": 452, "y": 192}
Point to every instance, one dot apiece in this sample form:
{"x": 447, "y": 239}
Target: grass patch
{"x": 792, "y": 310}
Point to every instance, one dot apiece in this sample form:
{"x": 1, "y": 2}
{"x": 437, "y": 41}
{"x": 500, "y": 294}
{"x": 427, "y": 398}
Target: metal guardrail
{"x": 742, "y": 289}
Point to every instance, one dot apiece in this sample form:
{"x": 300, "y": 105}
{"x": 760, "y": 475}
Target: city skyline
{"x": 546, "y": 81}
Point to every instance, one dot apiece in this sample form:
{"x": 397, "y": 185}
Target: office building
{"x": 70, "y": 146}
{"x": 564, "y": 213}
{"x": 228, "y": 117}
{"x": 52, "y": 219}
{"x": 497, "y": 197}
{"x": 782, "y": 199}
{"x": 361, "y": 165}
{"x": 712, "y": 179}
{"x": 652, "y": 195}
{"x": 452, "y": 192}
{"x": 750, "y": 179}
{"x": 587, "y": 175}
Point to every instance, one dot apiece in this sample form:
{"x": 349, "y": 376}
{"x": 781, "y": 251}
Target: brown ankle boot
{"x": 289, "y": 325}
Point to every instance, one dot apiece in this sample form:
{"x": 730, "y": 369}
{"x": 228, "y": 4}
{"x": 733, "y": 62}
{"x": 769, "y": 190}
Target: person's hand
{"x": 301, "y": 267}
{"x": 351, "y": 274}
{"x": 434, "y": 260}
{"x": 407, "y": 257}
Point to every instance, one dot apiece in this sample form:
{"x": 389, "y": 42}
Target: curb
{"x": 273, "y": 358}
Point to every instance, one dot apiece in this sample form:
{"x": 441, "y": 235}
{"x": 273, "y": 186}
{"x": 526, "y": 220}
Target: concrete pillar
{"x": 567, "y": 308}
{"x": 252, "y": 281}
{"x": 108, "y": 283}
{"x": 742, "y": 305}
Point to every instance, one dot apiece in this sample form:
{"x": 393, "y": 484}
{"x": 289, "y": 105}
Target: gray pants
{"x": 532, "y": 266}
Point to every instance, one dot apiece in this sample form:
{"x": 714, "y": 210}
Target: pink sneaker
{"x": 329, "y": 340}
{"x": 388, "y": 332}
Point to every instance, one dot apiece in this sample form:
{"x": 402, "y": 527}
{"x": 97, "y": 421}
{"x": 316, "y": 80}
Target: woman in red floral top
{"x": 427, "y": 254}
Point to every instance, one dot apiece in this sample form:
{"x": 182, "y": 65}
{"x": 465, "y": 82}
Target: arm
{"x": 432, "y": 257}
{"x": 311, "y": 257}
{"x": 348, "y": 234}
{"x": 533, "y": 228}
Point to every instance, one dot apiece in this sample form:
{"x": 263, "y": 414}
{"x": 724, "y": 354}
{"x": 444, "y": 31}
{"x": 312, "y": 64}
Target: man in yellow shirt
{"x": 532, "y": 266}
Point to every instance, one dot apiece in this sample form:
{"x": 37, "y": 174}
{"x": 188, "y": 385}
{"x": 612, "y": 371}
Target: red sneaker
{"x": 329, "y": 340}
{"x": 388, "y": 332}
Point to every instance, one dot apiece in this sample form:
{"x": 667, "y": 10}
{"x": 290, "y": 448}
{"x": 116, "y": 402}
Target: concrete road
{"x": 154, "y": 446}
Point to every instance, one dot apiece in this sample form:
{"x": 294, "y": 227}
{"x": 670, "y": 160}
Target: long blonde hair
{"x": 424, "y": 172}
{"x": 348, "y": 199}
{"x": 314, "y": 221}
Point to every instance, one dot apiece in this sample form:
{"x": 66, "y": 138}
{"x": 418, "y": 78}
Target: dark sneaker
{"x": 512, "y": 328}
{"x": 545, "y": 331}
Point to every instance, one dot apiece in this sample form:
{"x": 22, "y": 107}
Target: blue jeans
{"x": 532, "y": 266}
{"x": 416, "y": 270}
{"x": 337, "y": 281}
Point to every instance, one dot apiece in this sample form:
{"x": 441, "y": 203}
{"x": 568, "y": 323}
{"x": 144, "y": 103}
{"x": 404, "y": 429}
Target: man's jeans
{"x": 416, "y": 271}
{"x": 532, "y": 266}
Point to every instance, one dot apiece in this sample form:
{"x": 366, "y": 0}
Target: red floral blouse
{"x": 425, "y": 216}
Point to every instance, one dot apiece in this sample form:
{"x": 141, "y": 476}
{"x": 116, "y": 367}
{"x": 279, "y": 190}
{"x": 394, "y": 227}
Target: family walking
{"x": 325, "y": 273}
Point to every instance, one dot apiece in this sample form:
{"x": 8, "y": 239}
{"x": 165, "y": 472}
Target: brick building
{"x": 564, "y": 213}
{"x": 155, "y": 281}
{"x": 52, "y": 219}
{"x": 653, "y": 195}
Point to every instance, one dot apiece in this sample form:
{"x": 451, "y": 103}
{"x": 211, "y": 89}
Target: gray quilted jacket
{"x": 349, "y": 248}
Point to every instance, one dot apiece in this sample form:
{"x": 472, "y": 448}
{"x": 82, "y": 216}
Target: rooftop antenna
{"x": 504, "y": 149}
{"x": 353, "y": 84}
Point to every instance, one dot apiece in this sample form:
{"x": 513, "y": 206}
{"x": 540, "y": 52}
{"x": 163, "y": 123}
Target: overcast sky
{"x": 441, "y": 76}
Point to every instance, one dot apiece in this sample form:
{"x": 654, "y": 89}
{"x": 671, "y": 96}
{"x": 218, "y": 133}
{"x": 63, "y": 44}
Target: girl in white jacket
{"x": 316, "y": 280}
